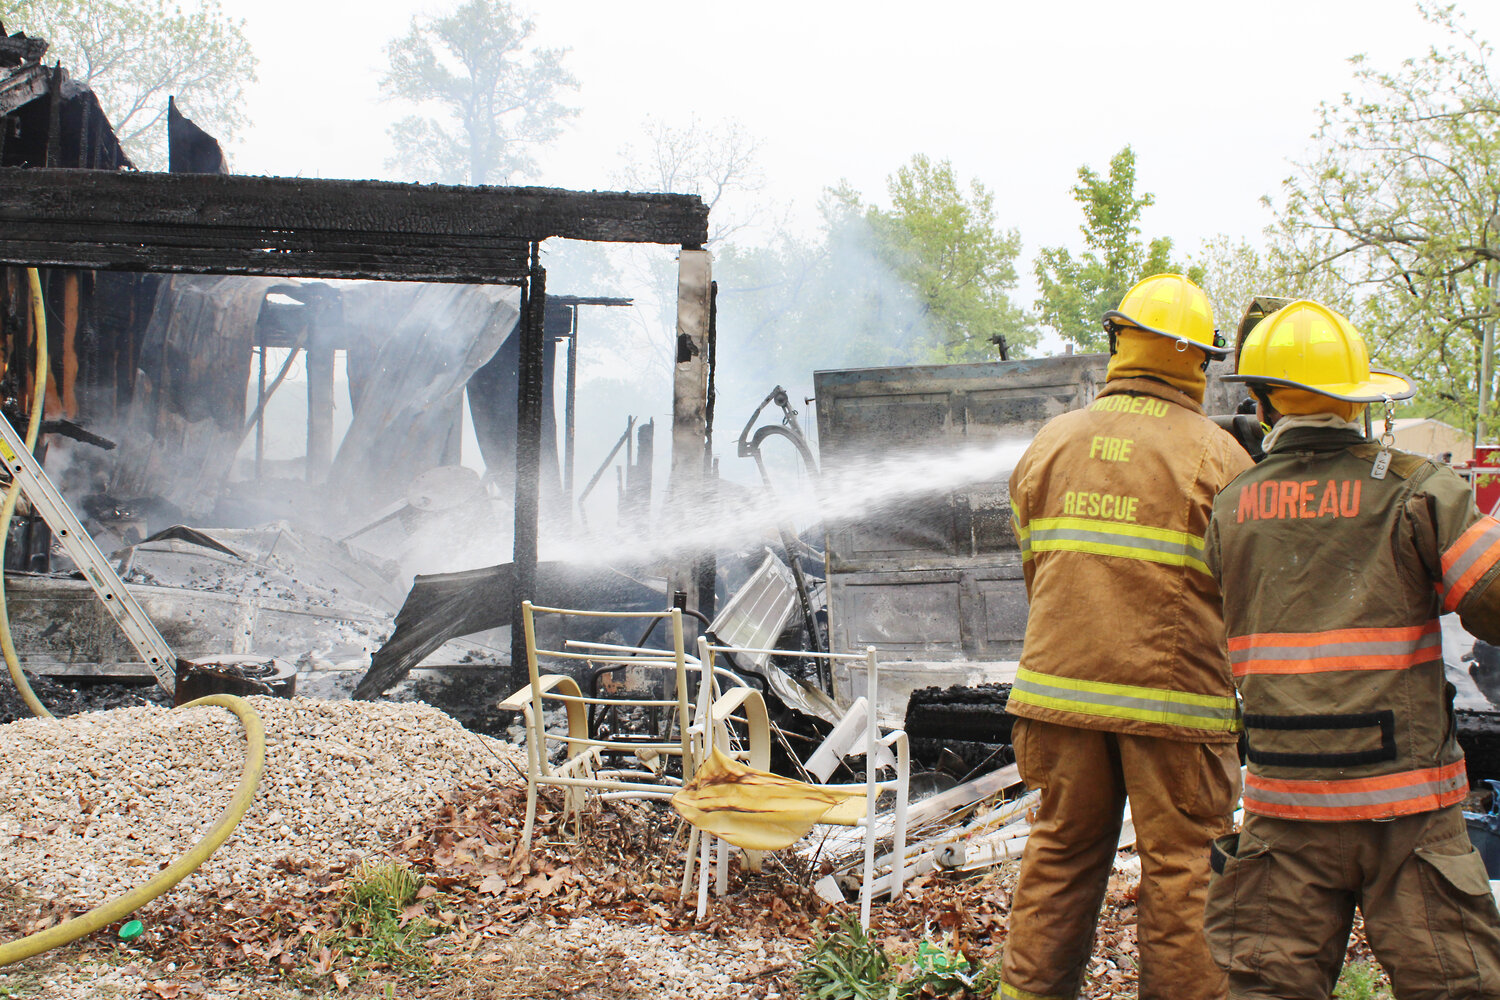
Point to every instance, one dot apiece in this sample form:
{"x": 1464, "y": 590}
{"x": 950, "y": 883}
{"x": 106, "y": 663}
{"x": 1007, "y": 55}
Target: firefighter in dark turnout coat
{"x": 1336, "y": 555}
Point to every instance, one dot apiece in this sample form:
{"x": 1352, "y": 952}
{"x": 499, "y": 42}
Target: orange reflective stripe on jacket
{"x": 1380, "y": 797}
{"x": 1339, "y": 649}
{"x": 1468, "y": 558}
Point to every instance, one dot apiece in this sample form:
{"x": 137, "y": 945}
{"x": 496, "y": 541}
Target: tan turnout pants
{"x": 1181, "y": 795}
{"x": 1284, "y": 893}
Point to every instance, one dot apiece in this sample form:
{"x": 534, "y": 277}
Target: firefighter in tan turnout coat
{"x": 1124, "y": 691}
{"x": 1336, "y": 555}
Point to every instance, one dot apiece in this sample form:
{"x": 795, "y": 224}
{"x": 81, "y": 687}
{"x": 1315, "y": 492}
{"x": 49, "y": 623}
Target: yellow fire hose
{"x": 255, "y": 732}
{"x": 33, "y": 428}
{"x": 124, "y": 905}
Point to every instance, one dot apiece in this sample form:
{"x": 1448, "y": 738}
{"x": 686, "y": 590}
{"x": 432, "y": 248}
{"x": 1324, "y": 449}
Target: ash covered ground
{"x": 83, "y": 696}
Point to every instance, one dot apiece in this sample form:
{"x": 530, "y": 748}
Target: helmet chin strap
{"x": 1182, "y": 347}
{"x": 1112, "y": 330}
{"x": 1262, "y": 397}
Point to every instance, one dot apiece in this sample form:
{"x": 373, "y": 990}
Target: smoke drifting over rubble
{"x": 785, "y": 310}
{"x": 881, "y": 485}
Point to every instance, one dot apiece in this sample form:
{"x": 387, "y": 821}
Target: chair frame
{"x": 713, "y": 721}
{"x": 579, "y": 773}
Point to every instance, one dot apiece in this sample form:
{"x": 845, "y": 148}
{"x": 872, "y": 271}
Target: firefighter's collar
{"x": 1149, "y": 387}
{"x": 1315, "y": 439}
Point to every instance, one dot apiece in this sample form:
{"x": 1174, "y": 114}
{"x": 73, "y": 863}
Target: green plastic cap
{"x": 131, "y": 930}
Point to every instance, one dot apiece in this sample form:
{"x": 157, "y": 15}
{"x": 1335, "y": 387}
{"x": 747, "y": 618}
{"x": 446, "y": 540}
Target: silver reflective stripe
{"x": 1192, "y": 548}
{"x": 1137, "y": 707}
{"x": 1119, "y": 539}
{"x": 1391, "y": 647}
{"x": 1376, "y": 797}
{"x": 1477, "y": 550}
{"x": 1023, "y": 533}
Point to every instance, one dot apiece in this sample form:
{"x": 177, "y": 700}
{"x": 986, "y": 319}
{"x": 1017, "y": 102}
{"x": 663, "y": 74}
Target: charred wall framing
{"x": 48, "y": 119}
{"x": 291, "y": 227}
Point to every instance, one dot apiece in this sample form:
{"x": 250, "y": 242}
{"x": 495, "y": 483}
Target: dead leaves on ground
{"x": 478, "y": 888}
{"x": 623, "y": 862}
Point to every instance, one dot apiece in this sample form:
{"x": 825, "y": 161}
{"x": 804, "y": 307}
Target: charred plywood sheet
{"x": 415, "y": 348}
{"x": 934, "y": 582}
{"x": 186, "y": 418}
{"x": 932, "y": 410}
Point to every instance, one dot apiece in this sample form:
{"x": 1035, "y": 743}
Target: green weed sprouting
{"x": 371, "y": 928}
{"x": 378, "y": 886}
{"x": 1361, "y": 981}
{"x": 847, "y": 964}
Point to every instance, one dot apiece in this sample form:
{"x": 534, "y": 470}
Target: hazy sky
{"x": 1216, "y": 98}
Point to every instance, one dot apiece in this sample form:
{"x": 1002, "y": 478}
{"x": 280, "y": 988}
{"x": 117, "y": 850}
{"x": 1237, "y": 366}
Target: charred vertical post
{"x": 690, "y": 397}
{"x": 571, "y": 392}
{"x": 320, "y": 359}
{"x": 533, "y": 343}
{"x": 635, "y": 504}
{"x": 54, "y": 119}
{"x": 708, "y": 569}
{"x": 260, "y": 404}
{"x": 85, "y": 135}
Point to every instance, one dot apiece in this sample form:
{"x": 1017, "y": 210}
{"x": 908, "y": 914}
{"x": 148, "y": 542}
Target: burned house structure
{"x": 176, "y": 306}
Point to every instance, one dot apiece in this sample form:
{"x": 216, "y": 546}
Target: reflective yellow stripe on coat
{"x": 1126, "y": 701}
{"x": 1112, "y": 538}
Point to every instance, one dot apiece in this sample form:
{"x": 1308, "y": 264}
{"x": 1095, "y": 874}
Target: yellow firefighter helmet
{"x": 1171, "y": 306}
{"x": 1308, "y": 346}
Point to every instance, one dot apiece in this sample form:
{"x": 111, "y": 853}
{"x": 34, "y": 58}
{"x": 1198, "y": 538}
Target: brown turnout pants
{"x": 1181, "y": 795}
{"x": 1284, "y": 893}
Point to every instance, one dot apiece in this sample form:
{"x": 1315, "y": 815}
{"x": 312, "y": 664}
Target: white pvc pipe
{"x": 871, "y": 790}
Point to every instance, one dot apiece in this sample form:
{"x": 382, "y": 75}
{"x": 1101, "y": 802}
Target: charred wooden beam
{"x": 182, "y": 250}
{"x": 234, "y": 225}
{"x": 18, "y": 49}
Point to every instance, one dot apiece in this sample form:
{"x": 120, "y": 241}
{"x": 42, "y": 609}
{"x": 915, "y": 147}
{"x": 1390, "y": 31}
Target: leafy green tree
{"x": 1077, "y": 290}
{"x": 486, "y": 99}
{"x": 135, "y": 54}
{"x": 1398, "y": 208}
{"x": 940, "y": 239}
{"x": 1232, "y": 272}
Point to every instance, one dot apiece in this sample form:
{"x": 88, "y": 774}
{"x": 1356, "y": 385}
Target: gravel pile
{"x": 94, "y": 804}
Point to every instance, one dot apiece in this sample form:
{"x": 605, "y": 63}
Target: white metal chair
{"x": 860, "y": 811}
{"x": 584, "y": 768}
